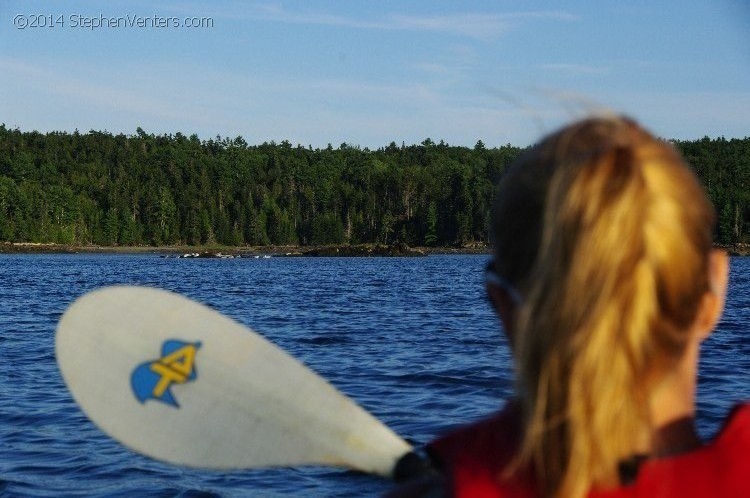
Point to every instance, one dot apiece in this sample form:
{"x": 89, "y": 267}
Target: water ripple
{"x": 411, "y": 339}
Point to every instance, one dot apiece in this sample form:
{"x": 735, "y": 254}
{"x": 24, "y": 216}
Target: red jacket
{"x": 474, "y": 456}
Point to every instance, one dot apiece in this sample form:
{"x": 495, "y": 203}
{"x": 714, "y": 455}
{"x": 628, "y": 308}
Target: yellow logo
{"x": 154, "y": 379}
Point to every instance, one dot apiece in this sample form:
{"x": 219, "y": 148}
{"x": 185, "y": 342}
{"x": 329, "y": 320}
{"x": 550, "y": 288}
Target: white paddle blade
{"x": 177, "y": 381}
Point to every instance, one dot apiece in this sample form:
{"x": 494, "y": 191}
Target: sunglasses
{"x": 492, "y": 277}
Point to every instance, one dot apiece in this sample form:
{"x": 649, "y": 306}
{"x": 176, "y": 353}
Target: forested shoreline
{"x": 156, "y": 190}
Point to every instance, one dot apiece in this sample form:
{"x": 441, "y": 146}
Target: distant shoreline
{"x": 735, "y": 249}
{"x": 52, "y": 248}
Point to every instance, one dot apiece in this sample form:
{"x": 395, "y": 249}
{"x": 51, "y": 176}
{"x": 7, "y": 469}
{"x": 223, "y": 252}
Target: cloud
{"x": 433, "y": 68}
{"x": 478, "y": 25}
{"x": 69, "y": 95}
{"x": 84, "y": 95}
{"x": 473, "y": 25}
{"x": 482, "y": 26}
{"x": 51, "y": 82}
{"x": 574, "y": 68}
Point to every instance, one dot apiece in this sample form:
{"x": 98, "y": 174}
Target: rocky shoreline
{"x": 363, "y": 251}
{"x": 357, "y": 250}
{"x": 736, "y": 249}
{"x": 228, "y": 252}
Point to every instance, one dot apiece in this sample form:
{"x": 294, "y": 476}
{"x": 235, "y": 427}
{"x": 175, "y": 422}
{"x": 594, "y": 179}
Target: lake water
{"x": 413, "y": 340}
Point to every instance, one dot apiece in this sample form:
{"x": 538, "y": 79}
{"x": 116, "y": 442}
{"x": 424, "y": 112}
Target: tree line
{"x": 145, "y": 189}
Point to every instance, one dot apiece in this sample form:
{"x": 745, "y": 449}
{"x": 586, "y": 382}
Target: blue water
{"x": 413, "y": 340}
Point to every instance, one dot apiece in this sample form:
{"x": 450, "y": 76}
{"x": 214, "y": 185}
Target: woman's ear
{"x": 712, "y": 304}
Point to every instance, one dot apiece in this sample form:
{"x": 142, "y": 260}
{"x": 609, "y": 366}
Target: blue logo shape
{"x": 154, "y": 379}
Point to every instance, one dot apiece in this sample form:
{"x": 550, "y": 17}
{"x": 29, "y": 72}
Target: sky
{"x": 369, "y": 72}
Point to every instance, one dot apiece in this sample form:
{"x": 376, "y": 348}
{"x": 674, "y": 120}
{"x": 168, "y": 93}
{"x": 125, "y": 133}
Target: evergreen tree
{"x": 111, "y": 227}
{"x": 430, "y": 238}
{"x": 162, "y": 189}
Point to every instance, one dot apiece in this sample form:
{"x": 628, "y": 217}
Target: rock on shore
{"x": 364, "y": 250}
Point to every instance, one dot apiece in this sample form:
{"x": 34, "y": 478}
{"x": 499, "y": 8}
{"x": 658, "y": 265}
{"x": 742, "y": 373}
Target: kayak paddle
{"x": 179, "y": 382}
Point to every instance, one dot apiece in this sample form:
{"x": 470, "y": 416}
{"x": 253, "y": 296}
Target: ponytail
{"x": 619, "y": 271}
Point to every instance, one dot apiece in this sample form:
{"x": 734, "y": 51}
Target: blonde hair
{"x": 623, "y": 231}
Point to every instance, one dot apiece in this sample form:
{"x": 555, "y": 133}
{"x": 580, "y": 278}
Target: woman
{"x": 606, "y": 282}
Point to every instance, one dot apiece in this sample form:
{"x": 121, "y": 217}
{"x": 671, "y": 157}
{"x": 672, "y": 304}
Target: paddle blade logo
{"x": 154, "y": 379}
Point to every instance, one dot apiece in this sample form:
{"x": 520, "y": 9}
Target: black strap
{"x": 628, "y": 469}
{"x": 413, "y": 465}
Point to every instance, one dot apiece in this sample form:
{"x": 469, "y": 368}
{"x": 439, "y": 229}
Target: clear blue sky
{"x": 371, "y": 72}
